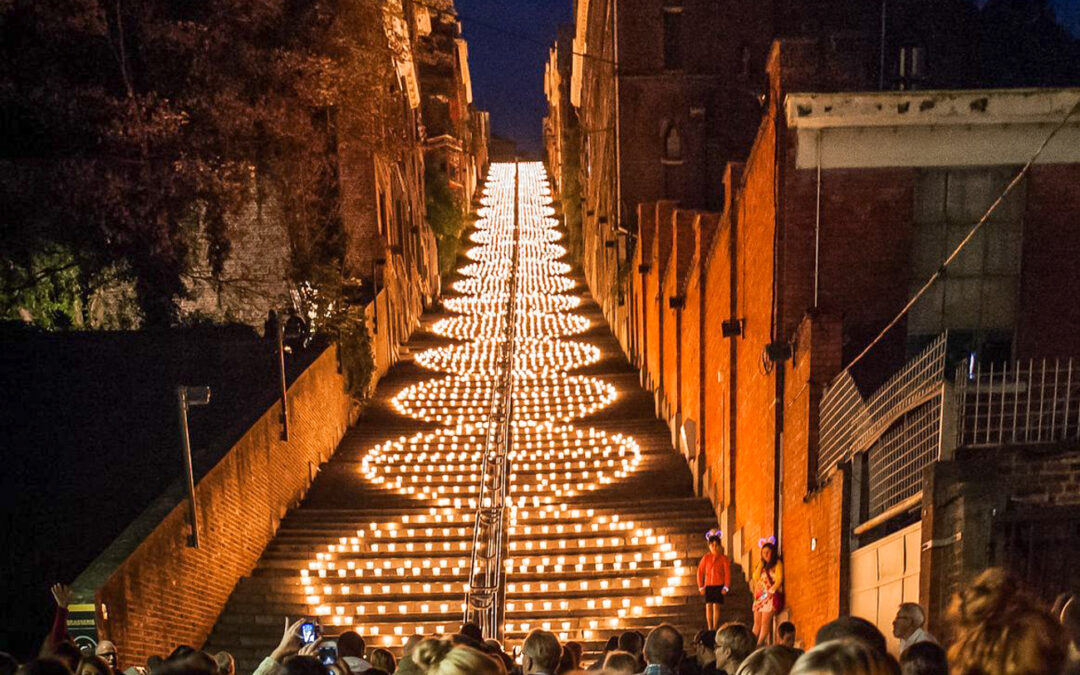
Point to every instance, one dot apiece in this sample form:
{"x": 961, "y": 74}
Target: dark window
{"x": 673, "y": 56}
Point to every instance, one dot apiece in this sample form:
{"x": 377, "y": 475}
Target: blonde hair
{"x": 442, "y": 657}
{"x": 999, "y": 629}
{"x": 774, "y": 660}
{"x": 384, "y": 659}
{"x": 845, "y": 657}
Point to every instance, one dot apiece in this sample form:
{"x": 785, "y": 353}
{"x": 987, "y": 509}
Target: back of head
{"x": 775, "y": 660}
{"x": 350, "y": 643}
{"x": 924, "y": 658}
{"x": 845, "y": 657}
{"x": 226, "y": 663}
{"x": 852, "y": 628}
{"x": 785, "y": 628}
{"x": 664, "y": 646}
{"x": 442, "y": 657}
{"x": 612, "y": 644}
{"x": 543, "y": 648}
{"x": 471, "y": 630}
{"x": 631, "y": 641}
{"x": 304, "y": 665}
{"x": 67, "y": 653}
{"x": 999, "y": 629}
{"x": 45, "y": 666}
{"x": 738, "y": 638}
{"x": 619, "y": 661}
{"x": 383, "y": 658}
{"x": 93, "y": 665}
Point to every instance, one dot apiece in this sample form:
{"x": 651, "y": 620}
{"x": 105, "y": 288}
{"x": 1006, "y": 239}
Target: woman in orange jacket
{"x": 713, "y": 578}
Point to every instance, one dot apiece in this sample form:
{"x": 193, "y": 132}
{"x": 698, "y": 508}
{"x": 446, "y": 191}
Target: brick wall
{"x": 153, "y": 591}
{"x": 814, "y": 519}
{"x": 1049, "y": 316}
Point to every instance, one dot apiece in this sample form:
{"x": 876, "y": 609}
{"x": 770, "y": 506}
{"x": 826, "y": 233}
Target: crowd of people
{"x": 995, "y": 628}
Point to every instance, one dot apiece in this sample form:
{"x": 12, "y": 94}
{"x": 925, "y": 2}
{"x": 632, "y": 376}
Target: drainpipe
{"x": 777, "y": 340}
{"x": 817, "y": 218}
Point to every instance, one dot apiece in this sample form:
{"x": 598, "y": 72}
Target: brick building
{"x": 845, "y": 205}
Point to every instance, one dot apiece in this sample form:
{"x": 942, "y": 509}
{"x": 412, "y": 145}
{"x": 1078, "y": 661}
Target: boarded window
{"x": 672, "y": 143}
{"x": 978, "y": 294}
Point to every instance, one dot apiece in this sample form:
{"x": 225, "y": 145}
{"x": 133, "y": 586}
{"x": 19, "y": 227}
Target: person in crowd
{"x": 338, "y": 668}
{"x": 304, "y": 664}
{"x": 44, "y": 666}
{"x": 351, "y": 649}
{"x": 713, "y": 578}
{"x": 633, "y": 642}
{"x": 106, "y": 649}
{"x": 383, "y": 659}
{"x": 493, "y": 648}
{"x": 999, "y": 629}
{"x": 8, "y": 664}
{"x": 226, "y": 663}
{"x": 540, "y": 653}
{"x": 704, "y": 652}
{"x": 663, "y": 650}
{"x": 908, "y": 625}
{"x": 571, "y": 658}
{"x": 1067, "y": 610}
{"x": 611, "y": 645}
{"x": 472, "y": 631}
{"x": 768, "y": 586}
{"x": 443, "y": 657}
{"x": 854, "y": 628}
{"x": 58, "y": 632}
{"x": 734, "y": 642}
{"x": 93, "y": 665}
{"x": 924, "y": 658}
{"x": 620, "y": 663}
{"x": 785, "y": 634}
{"x": 774, "y": 660}
{"x": 66, "y": 652}
{"x": 845, "y": 657}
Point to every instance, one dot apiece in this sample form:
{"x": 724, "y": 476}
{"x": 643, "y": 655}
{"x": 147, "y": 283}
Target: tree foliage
{"x": 445, "y": 215}
{"x": 132, "y": 123}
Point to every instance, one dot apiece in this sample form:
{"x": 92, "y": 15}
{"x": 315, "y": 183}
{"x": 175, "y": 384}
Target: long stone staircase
{"x": 605, "y": 532}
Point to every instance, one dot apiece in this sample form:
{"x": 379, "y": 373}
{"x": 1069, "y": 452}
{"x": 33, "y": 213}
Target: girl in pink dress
{"x": 768, "y": 586}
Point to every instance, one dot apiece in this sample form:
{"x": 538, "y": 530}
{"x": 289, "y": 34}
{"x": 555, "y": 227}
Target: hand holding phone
{"x": 327, "y": 653}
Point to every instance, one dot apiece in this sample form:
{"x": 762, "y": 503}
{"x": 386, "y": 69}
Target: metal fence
{"x": 898, "y": 426}
{"x": 1020, "y": 402}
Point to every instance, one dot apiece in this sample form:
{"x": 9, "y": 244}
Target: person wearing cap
{"x": 713, "y": 578}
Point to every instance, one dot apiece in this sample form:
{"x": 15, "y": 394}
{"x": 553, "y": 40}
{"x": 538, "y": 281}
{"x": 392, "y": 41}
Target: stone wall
{"x": 152, "y": 591}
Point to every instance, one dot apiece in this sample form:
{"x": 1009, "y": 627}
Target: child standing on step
{"x": 713, "y": 578}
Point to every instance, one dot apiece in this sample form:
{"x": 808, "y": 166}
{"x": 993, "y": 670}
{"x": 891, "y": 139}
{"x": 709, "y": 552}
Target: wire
{"x": 971, "y": 233}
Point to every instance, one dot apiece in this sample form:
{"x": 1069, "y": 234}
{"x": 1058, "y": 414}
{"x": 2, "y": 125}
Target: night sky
{"x": 508, "y": 46}
{"x": 508, "y": 42}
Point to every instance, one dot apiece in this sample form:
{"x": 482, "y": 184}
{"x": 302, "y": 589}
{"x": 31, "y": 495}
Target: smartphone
{"x": 309, "y": 632}
{"x": 328, "y": 653}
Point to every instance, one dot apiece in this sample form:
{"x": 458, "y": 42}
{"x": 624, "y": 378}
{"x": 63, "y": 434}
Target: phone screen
{"x": 328, "y": 654}
{"x": 309, "y": 632}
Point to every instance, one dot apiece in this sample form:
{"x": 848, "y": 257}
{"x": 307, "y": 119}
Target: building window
{"x": 672, "y": 144}
{"x": 977, "y": 297}
{"x": 910, "y": 67}
{"x": 673, "y": 56}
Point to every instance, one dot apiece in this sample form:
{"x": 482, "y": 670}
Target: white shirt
{"x": 917, "y": 635}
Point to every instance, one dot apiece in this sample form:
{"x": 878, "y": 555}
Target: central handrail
{"x": 485, "y": 595}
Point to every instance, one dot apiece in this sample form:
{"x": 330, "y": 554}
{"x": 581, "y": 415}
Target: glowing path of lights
{"x": 576, "y": 571}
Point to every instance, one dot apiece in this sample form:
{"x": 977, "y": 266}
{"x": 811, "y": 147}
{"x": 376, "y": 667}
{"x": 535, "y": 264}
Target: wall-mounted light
{"x": 731, "y": 328}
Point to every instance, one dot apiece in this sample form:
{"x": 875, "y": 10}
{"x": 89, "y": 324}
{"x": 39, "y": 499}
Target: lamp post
{"x": 185, "y": 398}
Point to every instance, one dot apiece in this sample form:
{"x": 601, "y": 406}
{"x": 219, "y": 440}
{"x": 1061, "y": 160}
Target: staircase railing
{"x": 485, "y": 596}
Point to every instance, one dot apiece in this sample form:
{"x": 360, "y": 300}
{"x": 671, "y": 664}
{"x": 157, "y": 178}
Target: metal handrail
{"x": 485, "y": 596}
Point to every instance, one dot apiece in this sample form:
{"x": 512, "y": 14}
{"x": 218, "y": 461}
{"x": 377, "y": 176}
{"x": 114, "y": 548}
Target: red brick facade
{"x": 807, "y": 273}
{"x": 153, "y": 591}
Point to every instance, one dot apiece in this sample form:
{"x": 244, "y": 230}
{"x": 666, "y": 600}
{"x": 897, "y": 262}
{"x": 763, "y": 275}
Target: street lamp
{"x": 186, "y": 397}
